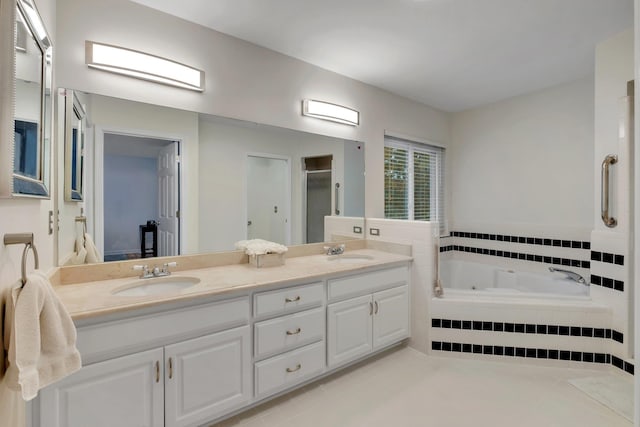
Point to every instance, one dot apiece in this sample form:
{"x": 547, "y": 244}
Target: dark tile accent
{"x": 530, "y": 329}
{"x": 587, "y": 357}
{"x": 600, "y": 358}
{"x": 509, "y": 327}
{"x": 509, "y": 351}
{"x": 618, "y": 285}
{"x": 546, "y": 242}
{"x": 477, "y": 349}
{"x": 436, "y": 323}
{"x": 487, "y": 326}
{"x": 566, "y": 243}
{"x": 547, "y": 260}
{"x": 566, "y": 262}
{"x": 498, "y": 326}
{"x": 520, "y": 352}
{"x": 585, "y": 264}
{"x": 477, "y": 326}
{"x": 596, "y": 280}
{"x": 587, "y": 332}
{"x": 537, "y": 241}
{"x": 552, "y": 329}
{"x": 607, "y": 257}
{"x": 542, "y": 353}
{"x": 537, "y": 258}
{"x": 598, "y": 332}
{"x": 576, "y": 245}
{"x": 557, "y": 242}
{"x": 607, "y": 333}
{"x": 519, "y": 328}
{"x": 531, "y": 353}
{"x": 553, "y": 354}
{"x": 446, "y": 346}
{"x": 466, "y": 348}
{"x": 575, "y": 331}
{"x": 576, "y": 356}
{"x": 487, "y": 349}
{"x": 466, "y": 324}
{"x": 629, "y": 368}
{"x": 498, "y": 350}
{"x": 607, "y": 282}
{"x": 618, "y": 259}
{"x": 457, "y": 347}
{"x": 563, "y": 330}
{"x": 608, "y": 362}
{"x": 586, "y": 245}
{"x": 436, "y": 345}
{"x": 565, "y": 355}
{"x": 617, "y": 336}
{"x": 596, "y": 256}
{"x": 456, "y": 324}
{"x": 446, "y": 323}
{"x": 617, "y": 362}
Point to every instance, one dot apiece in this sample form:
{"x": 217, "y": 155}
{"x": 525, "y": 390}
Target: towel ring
{"x": 25, "y": 239}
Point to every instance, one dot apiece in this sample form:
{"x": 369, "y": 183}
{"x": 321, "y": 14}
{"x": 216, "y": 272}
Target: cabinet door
{"x": 349, "y": 329}
{"x": 123, "y": 392}
{"x": 391, "y": 316}
{"x": 207, "y": 377}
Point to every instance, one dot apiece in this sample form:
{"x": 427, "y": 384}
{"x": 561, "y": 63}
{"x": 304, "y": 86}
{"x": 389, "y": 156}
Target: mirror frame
{"x": 74, "y": 113}
{"x": 14, "y": 184}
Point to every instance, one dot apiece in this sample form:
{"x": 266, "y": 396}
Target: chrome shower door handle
{"x": 337, "y": 194}
{"x": 611, "y": 159}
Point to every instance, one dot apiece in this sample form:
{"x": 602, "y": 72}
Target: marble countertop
{"x": 95, "y": 298}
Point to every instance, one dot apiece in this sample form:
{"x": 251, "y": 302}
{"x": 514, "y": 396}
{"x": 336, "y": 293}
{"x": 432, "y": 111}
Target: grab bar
{"x": 337, "y": 198}
{"x": 437, "y": 285}
{"x": 25, "y": 239}
{"x": 611, "y": 159}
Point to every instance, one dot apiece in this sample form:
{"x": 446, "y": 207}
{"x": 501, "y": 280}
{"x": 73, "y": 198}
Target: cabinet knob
{"x": 292, "y": 299}
{"x": 294, "y": 332}
{"x": 297, "y": 368}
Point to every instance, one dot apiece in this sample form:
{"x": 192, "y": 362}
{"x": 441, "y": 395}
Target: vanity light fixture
{"x": 332, "y": 112}
{"x": 143, "y": 66}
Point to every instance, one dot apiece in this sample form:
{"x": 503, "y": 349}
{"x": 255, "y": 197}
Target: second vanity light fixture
{"x": 332, "y": 112}
{"x": 142, "y": 65}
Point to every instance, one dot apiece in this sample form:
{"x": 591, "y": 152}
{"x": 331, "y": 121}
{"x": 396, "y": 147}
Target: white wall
{"x": 243, "y": 81}
{"x": 224, "y": 146}
{"x": 525, "y": 161}
{"x": 130, "y": 199}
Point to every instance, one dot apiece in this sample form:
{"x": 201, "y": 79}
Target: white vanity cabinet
{"x": 187, "y": 383}
{"x": 359, "y": 325}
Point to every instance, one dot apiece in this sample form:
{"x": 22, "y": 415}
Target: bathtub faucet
{"x": 570, "y": 275}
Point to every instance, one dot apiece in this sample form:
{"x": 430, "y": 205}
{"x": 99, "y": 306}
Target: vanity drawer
{"x": 367, "y": 283}
{"x": 289, "y": 299}
{"x": 285, "y": 370}
{"x": 282, "y": 333}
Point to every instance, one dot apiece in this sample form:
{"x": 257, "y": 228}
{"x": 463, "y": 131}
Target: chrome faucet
{"x": 155, "y": 271}
{"x": 571, "y": 275}
{"x": 334, "y": 250}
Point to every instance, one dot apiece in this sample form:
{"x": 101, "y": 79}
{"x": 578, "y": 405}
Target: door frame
{"x": 287, "y": 159}
{"x": 96, "y": 180}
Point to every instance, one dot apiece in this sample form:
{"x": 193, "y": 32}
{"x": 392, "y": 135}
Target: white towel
{"x": 42, "y": 342}
{"x": 93, "y": 255}
{"x": 260, "y": 247}
{"x": 80, "y": 255}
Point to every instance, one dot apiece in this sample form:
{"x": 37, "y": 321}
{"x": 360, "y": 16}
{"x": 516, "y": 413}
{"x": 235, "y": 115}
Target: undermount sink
{"x": 349, "y": 258}
{"x": 155, "y": 286}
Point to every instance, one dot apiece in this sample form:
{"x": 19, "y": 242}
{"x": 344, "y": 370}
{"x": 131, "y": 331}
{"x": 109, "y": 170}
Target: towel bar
{"x": 25, "y": 239}
{"x": 83, "y": 220}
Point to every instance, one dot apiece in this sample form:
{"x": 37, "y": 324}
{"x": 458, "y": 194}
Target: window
{"x": 413, "y": 181}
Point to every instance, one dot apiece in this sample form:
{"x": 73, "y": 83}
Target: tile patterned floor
{"x": 405, "y": 388}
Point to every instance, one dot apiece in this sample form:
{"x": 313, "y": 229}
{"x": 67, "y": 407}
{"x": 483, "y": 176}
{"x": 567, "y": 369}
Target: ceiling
{"x": 449, "y": 54}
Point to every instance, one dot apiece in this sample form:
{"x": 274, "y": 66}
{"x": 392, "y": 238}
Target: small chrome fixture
{"x": 133, "y": 63}
{"x": 155, "y": 271}
{"x": 334, "y": 250}
{"x": 571, "y": 275}
{"x": 604, "y": 187}
{"x": 25, "y": 239}
{"x": 332, "y": 112}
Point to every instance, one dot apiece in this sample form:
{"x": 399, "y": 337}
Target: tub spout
{"x": 571, "y": 275}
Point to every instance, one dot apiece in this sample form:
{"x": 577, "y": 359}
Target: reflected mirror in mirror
{"x": 169, "y": 182}
{"x": 74, "y": 142}
{"x": 32, "y": 117}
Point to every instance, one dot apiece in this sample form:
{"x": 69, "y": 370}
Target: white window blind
{"x": 413, "y": 181}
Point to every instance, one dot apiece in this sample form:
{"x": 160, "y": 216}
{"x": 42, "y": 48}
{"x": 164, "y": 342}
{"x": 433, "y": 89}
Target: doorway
{"x": 318, "y": 177}
{"x": 268, "y": 198}
{"x": 141, "y": 197}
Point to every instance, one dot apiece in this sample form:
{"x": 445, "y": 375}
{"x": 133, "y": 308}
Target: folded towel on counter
{"x": 42, "y": 338}
{"x": 93, "y": 255}
{"x": 260, "y": 247}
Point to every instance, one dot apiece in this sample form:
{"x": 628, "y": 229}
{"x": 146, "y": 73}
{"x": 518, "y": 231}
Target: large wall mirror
{"x": 26, "y": 171}
{"x": 162, "y": 182}
{"x": 74, "y": 142}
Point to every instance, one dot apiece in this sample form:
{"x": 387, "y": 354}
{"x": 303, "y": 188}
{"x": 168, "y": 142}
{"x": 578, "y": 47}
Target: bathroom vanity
{"x": 238, "y": 337}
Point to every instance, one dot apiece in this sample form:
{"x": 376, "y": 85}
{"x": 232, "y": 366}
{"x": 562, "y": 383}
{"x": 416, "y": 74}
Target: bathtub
{"x": 461, "y": 277}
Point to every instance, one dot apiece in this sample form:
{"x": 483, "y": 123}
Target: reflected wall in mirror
{"x": 27, "y": 171}
{"x": 169, "y": 182}
{"x": 74, "y": 142}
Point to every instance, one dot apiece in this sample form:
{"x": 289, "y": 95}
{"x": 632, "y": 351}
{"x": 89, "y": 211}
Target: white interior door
{"x": 168, "y": 200}
{"x": 267, "y": 199}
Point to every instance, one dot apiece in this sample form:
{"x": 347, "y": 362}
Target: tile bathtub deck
{"x": 405, "y": 388}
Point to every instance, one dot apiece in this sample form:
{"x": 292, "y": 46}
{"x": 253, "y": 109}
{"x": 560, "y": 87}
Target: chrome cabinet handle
{"x": 292, "y": 299}
{"x": 610, "y": 222}
{"x": 376, "y": 310}
{"x": 337, "y": 193}
{"x": 370, "y": 309}
{"x": 157, "y": 371}
{"x": 294, "y": 332}
{"x": 297, "y": 368}
{"x": 170, "y": 367}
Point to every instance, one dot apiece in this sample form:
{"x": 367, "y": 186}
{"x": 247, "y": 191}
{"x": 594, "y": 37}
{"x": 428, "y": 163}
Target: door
{"x": 318, "y": 204}
{"x": 349, "y": 329}
{"x": 168, "y": 200}
{"x": 390, "y": 316}
{"x": 124, "y": 392}
{"x": 268, "y": 199}
{"x": 207, "y": 377}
